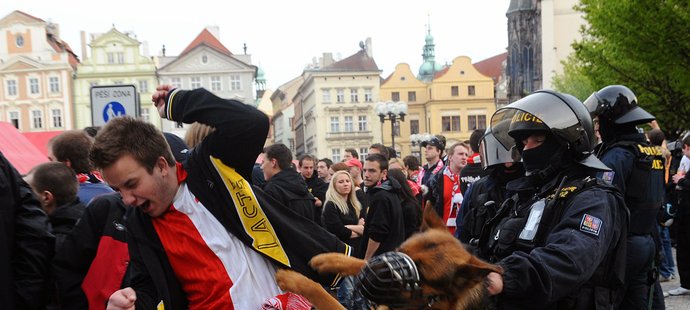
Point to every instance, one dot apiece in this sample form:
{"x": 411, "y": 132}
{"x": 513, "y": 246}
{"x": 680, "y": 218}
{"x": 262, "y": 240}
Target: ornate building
{"x": 207, "y": 63}
{"x": 540, "y": 34}
{"x": 36, "y": 69}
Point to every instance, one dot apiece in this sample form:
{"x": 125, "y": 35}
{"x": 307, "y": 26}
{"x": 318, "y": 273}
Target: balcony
{"x": 349, "y": 135}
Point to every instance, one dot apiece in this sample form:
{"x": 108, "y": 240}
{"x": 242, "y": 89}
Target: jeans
{"x": 667, "y": 267}
{"x": 349, "y": 297}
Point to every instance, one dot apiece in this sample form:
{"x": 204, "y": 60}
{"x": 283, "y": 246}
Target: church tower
{"x": 429, "y": 67}
{"x": 524, "y": 48}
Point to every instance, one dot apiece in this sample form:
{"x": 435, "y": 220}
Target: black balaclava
{"x": 609, "y": 131}
{"x": 542, "y": 162}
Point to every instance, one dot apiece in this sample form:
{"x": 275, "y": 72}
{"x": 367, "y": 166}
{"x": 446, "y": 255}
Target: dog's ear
{"x": 431, "y": 220}
{"x": 473, "y": 271}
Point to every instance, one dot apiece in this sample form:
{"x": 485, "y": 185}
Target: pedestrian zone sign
{"x": 111, "y": 101}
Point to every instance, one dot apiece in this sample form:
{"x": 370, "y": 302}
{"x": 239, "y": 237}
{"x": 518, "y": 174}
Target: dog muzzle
{"x": 392, "y": 279}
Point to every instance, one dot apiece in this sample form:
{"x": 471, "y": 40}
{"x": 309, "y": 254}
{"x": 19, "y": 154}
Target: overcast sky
{"x": 283, "y": 36}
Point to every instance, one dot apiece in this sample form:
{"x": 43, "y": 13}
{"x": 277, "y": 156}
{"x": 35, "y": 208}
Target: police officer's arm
{"x": 573, "y": 251}
{"x": 460, "y": 233}
{"x": 617, "y": 159}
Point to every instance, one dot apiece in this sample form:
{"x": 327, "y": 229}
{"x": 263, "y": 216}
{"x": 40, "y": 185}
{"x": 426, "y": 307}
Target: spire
{"x": 428, "y": 67}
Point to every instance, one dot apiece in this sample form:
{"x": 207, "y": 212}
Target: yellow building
{"x": 36, "y": 69}
{"x": 456, "y": 101}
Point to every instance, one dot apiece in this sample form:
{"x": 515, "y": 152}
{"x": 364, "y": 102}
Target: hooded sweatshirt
{"x": 289, "y": 188}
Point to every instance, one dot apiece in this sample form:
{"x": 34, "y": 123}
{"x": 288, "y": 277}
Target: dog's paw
{"x": 292, "y": 281}
{"x": 337, "y": 263}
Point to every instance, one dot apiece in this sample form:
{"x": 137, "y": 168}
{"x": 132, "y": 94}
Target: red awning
{"x": 40, "y": 139}
{"x": 18, "y": 149}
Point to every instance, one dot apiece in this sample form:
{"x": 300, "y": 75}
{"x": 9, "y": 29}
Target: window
{"x": 450, "y": 123}
{"x": 476, "y": 122}
{"x": 335, "y": 155}
{"x": 111, "y": 58}
{"x": 348, "y": 124}
{"x": 19, "y": 40}
{"x": 367, "y": 95}
{"x": 176, "y": 82}
{"x": 353, "y": 95}
{"x": 363, "y": 153}
{"x": 291, "y": 143}
{"x": 414, "y": 126}
{"x": 144, "y": 115}
{"x": 363, "y": 123}
{"x": 195, "y": 82}
{"x": 33, "y": 86}
{"x": 235, "y": 83}
{"x": 290, "y": 120}
{"x": 120, "y": 57}
{"x": 326, "y": 95}
{"x": 14, "y": 119}
{"x": 454, "y": 91}
{"x": 396, "y": 128}
{"x": 411, "y": 96}
{"x": 395, "y": 96}
{"x": 37, "y": 118}
{"x": 340, "y": 96}
{"x": 54, "y": 84}
{"x": 335, "y": 124}
{"x": 204, "y": 59}
{"x": 470, "y": 90}
{"x": 57, "y": 117}
{"x": 143, "y": 86}
{"x": 11, "y": 87}
{"x": 215, "y": 83}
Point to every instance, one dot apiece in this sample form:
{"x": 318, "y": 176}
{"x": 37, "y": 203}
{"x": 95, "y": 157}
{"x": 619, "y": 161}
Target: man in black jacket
{"x": 316, "y": 186}
{"x": 384, "y": 229}
{"x": 200, "y": 235}
{"x": 284, "y": 183}
{"x": 26, "y": 245}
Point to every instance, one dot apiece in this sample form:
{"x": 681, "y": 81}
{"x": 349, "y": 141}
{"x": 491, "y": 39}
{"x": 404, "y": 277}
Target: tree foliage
{"x": 645, "y": 45}
{"x": 573, "y": 80}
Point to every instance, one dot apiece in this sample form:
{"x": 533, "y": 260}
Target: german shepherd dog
{"x": 449, "y": 276}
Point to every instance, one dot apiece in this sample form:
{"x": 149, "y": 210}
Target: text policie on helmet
{"x": 560, "y": 226}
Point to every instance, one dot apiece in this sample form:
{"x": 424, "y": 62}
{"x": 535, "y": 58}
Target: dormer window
{"x": 204, "y": 59}
{"x": 20, "y": 40}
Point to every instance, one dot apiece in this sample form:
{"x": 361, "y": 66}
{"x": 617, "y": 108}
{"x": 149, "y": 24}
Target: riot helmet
{"x": 492, "y": 152}
{"x": 561, "y": 116}
{"x": 617, "y": 104}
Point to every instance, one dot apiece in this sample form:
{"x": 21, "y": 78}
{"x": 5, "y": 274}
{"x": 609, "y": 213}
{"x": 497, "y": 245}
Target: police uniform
{"x": 637, "y": 169}
{"x": 561, "y": 238}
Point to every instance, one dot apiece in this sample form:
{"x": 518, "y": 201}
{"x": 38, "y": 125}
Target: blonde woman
{"x": 341, "y": 212}
{"x": 341, "y": 217}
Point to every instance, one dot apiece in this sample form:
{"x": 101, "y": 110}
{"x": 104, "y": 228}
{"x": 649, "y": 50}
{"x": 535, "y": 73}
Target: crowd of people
{"x": 571, "y": 199}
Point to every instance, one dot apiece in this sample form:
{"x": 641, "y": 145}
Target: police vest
{"x": 516, "y": 228}
{"x": 645, "y": 185}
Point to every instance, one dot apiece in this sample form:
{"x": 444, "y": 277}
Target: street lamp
{"x": 417, "y": 140}
{"x": 391, "y": 111}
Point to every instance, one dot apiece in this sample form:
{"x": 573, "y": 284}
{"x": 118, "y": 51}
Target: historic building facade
{"x": 115, "y": 58}
{"x": 284, "y": 113}
{"x": 36, "y": 69}
{"x": 334, "y": 107}
{"x": 207, "y": 63}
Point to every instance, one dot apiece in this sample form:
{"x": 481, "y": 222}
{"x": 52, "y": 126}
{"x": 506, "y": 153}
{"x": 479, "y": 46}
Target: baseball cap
{"x": 177, "y": 146}
{"x": 438, "y": 141}
{"x": 354, "y": 162}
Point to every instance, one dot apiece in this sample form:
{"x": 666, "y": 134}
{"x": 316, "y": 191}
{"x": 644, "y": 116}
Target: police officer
{"x": 558, "y": 242}
{"x": 484, "y": 196}
{"x": 638, "y": 171}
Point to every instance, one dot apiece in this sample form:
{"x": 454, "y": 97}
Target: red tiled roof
{"x": 440, "y": 73}
{"x": 62, "y": 46}
{"x": 359, "y": 61}
{"x": 492, "y": 67}
{"x": 18, "y": 149}
{"x": 205, "y": 37}
{"x": 40, "y": 139}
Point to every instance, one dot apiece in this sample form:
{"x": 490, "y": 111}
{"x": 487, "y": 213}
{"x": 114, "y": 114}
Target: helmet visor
{"x": 493, "y": 152}
{"x": 594, "y": 105}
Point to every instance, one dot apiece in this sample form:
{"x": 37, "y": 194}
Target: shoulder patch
{"x": 608, "y": 176}
{"x": 590, "y": 224}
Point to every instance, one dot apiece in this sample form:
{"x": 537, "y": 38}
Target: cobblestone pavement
{"x": 675, "y": 302}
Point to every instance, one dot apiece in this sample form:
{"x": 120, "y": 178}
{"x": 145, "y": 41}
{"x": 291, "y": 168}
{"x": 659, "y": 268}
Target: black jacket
{"x": 217, "y": 168}
{"x": 384, "y": 221}
{"x": 318, "y": 188}
{"x": 26, "y": 244}
{"x": 63, "y": 220}
{"x": 334, "y": 221}
{"x": 288, "y": 187}
{"x": 95, "y": 249}
{"x": 469, "y": 174}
